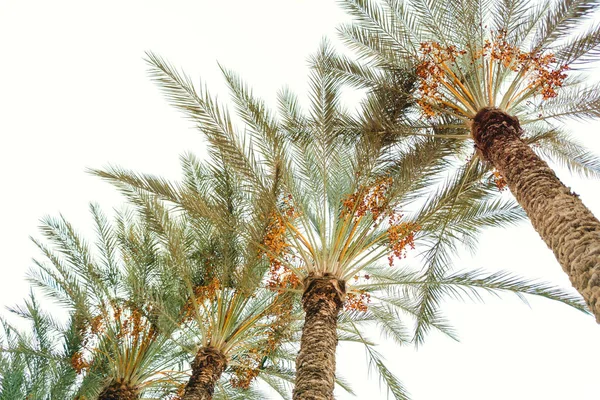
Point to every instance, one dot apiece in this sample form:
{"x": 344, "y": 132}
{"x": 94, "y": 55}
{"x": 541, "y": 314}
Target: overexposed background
{"x": 74, "y": 94}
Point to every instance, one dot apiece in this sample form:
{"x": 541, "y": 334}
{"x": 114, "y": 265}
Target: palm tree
{"x": 236, "y": 335}
{"x": 504, "y": 75}
{"x": 112, "y": 292}
{"x": 236, "y": 327}
{"x": 333, "y": 209}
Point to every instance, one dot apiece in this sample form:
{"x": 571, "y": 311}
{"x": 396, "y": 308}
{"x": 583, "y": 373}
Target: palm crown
{"x": 523, "y": 59}
{"x": 108, "y": 291}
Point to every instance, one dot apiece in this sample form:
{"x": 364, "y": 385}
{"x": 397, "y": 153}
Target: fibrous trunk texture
{"x": 315, "y": 365}
{"x": 557, "y": 214}
{"x": 207, "y": 367}
{"x": 119, "y": 391}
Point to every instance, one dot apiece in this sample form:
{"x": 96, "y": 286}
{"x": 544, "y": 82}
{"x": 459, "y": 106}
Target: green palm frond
{"x": 125, "y": 180}
{"x": 580, "y": 49}
{"x": 262, "y": 126}
{"x": 455, "y": 215}
{"x": 574, "y": 103}
{"x": 378, "y": 36}
{"x": 562, "y": 18}
{"x": 404, "y": 283}
{"x": 282, "y": 385}
{"x": 226, "y": 392}
{"x": 106, "y": 245}
{"x": 510, "y": 15}
{"x": 466, "y": 284}
{"x": 213, "y": 120}
{"x": 412, "y": 299}
{"x": 376, "y": 362}
{"x": 37, "y": 363}
{"x": 557, "y": 146}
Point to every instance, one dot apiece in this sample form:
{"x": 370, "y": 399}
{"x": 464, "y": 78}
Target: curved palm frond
{"x": 37, "y": 363}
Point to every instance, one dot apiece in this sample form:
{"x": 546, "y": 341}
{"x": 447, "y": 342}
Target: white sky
{"x": 74, "y": 93}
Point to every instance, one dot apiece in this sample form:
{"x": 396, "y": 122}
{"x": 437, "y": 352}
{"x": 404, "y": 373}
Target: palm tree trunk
{"x": 119, "y": 391}
{"x": 315, "y": 365}
{"x": 207, "y": 367}
{"x": 557, "y": 214}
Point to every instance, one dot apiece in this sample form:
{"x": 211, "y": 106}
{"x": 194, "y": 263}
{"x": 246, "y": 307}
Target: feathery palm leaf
{"x": 37, "y": 363}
